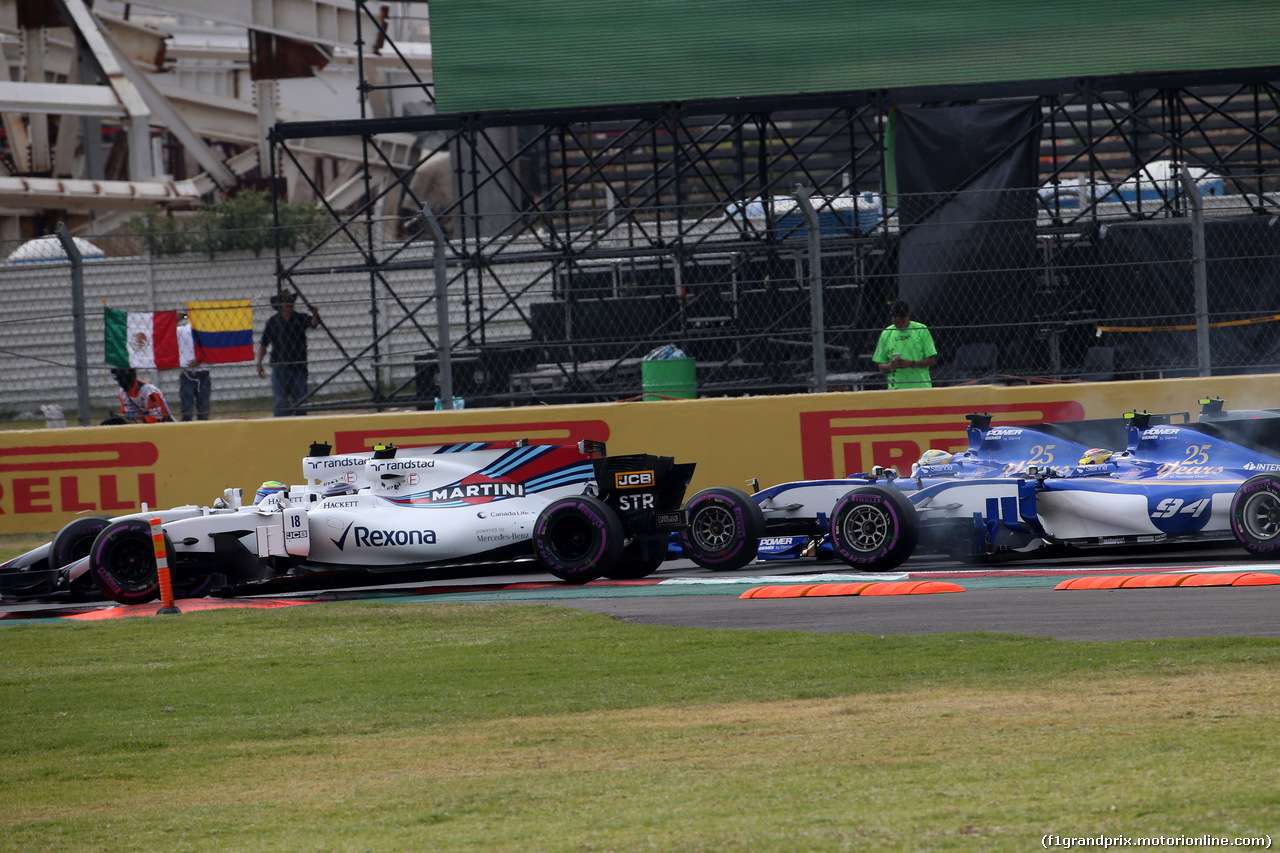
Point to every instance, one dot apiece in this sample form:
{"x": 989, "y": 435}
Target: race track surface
{"x": 1016, "y": 598}
{"x": 1126, "y": 614}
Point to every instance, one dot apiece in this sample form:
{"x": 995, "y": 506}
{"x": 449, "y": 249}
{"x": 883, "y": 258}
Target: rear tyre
{"x": 874, "y": 528}
{"x": 1255, "y": 515}
{"x": 725, "y": 526}
{"x": 578, "y": 539}
{"x": 640, "y": 559}
{"x": 122, "y": 562}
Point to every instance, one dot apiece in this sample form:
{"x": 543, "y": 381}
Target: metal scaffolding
{"x": 561, "y": 207}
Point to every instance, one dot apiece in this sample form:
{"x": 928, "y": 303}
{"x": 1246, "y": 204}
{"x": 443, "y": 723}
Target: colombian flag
{"x": 223, "y": 330}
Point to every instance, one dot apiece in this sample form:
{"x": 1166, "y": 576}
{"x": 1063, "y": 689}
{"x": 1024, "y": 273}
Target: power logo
{"x": 560, "y": 432}
{"x": 633, "y": 479}
{"x": 31, "y": 482}
{"x": 839, "y": 443}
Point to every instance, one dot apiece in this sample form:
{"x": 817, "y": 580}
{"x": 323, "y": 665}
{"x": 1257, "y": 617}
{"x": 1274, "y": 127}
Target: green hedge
{"x": 239, "y": 223}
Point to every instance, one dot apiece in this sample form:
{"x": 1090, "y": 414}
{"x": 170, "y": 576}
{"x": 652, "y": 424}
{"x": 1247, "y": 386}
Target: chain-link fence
{"x": 1046, "y": 284}
{"x": 136, "y": 274}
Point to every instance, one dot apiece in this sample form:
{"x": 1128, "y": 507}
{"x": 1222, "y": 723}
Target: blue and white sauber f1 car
{"x": 384, "y": 516}
{"x": 1018, "y": 489}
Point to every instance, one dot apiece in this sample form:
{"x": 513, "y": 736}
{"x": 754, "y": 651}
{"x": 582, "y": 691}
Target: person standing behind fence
{"x": 195, "y": 386}
{"x": 905, "y": 350}
{"x": 286, "y": 335}
{"x": 140, "y": 402}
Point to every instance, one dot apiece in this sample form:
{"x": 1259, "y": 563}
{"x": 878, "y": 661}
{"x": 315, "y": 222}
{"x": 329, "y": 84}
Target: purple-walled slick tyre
{"x": 122, "y": 562}
{"x": 1255, "y": 515}
{"x": 73, "y": 542}
{"x": 874, "y": 528}
{"x": 75, "y": 539}
{"x": 578, "y": 539}
{"x": 725, "y": 526}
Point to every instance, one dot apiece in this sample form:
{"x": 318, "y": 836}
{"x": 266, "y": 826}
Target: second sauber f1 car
{"x": 384, "y": 516}
{"x": 1019, "y": 489}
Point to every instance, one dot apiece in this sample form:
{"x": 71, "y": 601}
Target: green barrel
{"x": 669, "y": 377}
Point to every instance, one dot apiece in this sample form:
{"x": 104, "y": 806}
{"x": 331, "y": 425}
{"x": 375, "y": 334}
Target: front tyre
{"x": 725, "y": 526}
{"x": 1255, "y": 515}
{"x": 874, "y": 528}
{"x": 75, "y": 539}
{"x": 73, "y": 543}
{"x": 122, "y": 562}
{"x": 578, "y": 539}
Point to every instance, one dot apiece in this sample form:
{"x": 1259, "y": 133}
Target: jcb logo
{"x": 633, "y": 480}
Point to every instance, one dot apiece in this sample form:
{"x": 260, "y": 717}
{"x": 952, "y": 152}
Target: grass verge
{"x": 13, "y": 544}
{"x": 398, "y": 727}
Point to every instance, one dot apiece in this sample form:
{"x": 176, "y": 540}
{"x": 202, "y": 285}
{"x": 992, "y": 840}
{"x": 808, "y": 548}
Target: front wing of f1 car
{"x": 390, "y": 514}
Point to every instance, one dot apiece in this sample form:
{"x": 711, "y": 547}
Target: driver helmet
{"x": 1096, "y": 456}
{"x": 270, "y": 487}
{"x": 932, "y": 456}
{"x": 338, "y": 488}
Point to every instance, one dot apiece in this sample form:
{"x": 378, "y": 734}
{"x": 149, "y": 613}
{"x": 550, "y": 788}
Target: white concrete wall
{"x": 37, "y": 355}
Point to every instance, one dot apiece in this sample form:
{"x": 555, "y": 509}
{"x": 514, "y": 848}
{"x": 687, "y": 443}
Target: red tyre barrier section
{"x": 1227, "y": 579}
{"x": 778, "y": 591}
{"x": 1153, "y": 581}
{"x": 829, "y": 589}
{"x": 1172, "y": 580}
{"x": 825, "y": 589}
{"x": 1256, "y": 579}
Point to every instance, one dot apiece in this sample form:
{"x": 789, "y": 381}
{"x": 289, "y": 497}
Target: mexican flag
{"x": 140, "y": 338}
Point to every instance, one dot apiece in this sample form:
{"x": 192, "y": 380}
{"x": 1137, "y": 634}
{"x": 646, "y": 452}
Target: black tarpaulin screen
{"x": 966, "y": 182}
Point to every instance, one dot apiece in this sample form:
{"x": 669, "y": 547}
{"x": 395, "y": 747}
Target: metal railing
{"x": 765, "y": 295}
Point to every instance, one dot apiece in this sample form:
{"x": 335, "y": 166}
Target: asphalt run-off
{"x": 1104, "y": 597}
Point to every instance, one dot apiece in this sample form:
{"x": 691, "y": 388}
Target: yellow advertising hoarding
{"x": 48, "y": 477}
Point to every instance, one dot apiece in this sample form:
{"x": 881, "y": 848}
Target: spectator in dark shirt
{"x": 286, "y": 335}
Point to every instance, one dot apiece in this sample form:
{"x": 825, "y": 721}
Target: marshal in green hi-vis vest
{"x": 914, "y": 345}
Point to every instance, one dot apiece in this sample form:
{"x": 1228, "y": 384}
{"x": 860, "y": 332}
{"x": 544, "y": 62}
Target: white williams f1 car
{"x": 389, "y": 515}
